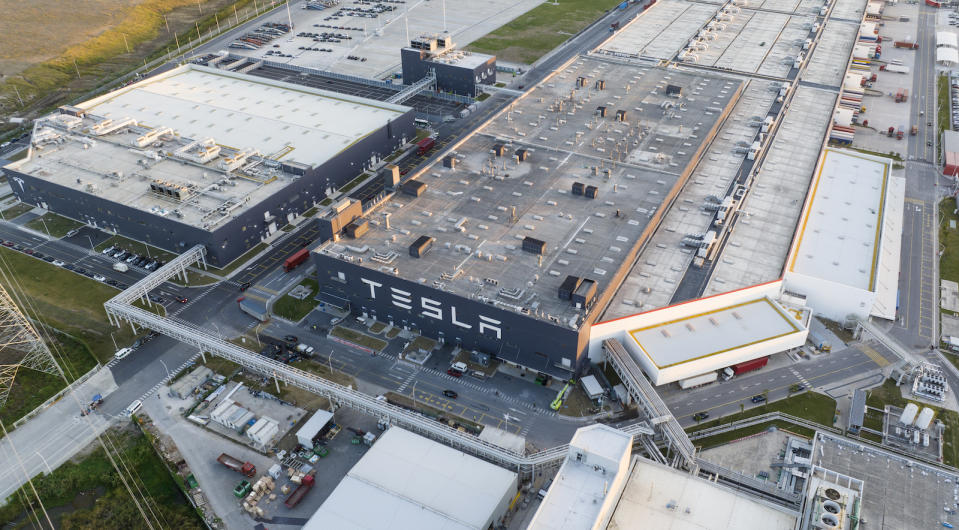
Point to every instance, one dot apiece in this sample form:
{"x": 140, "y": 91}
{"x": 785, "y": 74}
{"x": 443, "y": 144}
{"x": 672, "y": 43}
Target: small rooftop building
{"x": 456, "y": 70}
{"x": 845, "y": 255}
{"x": 407, "y": 481}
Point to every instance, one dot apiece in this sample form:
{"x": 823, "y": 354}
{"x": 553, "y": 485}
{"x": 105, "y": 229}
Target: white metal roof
{"x": 947, "y": 55}
{"x": 946, "y": 38}
{"x": 890, "y": 247}
{"x": 579, "y": 491}
{"x": 660, "y": 497}
{"x": 591, "y": 386}
{"x": 838, "y": 239}
{"x": 285, "y": 121}
{"x": 950, "y": 141}
{"x": 313, "y": 425}
{"x": 713, "y": 332}
{"x": 407, "y": 481}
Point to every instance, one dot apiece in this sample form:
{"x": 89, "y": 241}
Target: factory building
{"x": 456, "y": 71}
{"x": 511, "y": 247}
{"x": 197, "y": 155}
{"x": 845, "y": 256}
{"x": 408, "y": 481}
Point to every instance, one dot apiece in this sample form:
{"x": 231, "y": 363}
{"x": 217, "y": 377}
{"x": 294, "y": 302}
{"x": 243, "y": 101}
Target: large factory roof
{"x": 407, "y": 481}
{"x": 839, "y": 238}
{"x": 480, "y": 211}
{"x": 216, "y": 143}
{"x": 281, "y": 120}
{"x": 667, "y": 498}
{"x": 714, "y": 332}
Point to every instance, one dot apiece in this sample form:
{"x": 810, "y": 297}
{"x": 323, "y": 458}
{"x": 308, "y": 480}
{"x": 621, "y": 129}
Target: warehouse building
{"x": 510, "y": 250}
{"x": 197, "y": 155}
{"x": 456, "y": 71}
{"x": 407, "y": 481}
{"x": 845, "y": 256}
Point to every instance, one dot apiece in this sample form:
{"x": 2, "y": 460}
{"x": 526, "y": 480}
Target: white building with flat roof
{"x": 845, "y": 256}
{"x": 408, "y": 481}
{"x": 695, "y": 337}
{"x": 588, "y": 483}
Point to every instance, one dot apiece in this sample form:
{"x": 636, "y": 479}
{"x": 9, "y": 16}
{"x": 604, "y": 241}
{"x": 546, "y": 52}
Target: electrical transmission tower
{"x": 20, "y": 346}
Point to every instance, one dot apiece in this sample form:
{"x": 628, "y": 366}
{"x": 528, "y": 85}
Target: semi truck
{"x": 699, "y": 380}
{"x": 424, "y": 145}
{"x": 244, "y": 468}
{"x": 296, "y": 260}
{"x": 743, "y": 367}
{"x": 305, "y": 485}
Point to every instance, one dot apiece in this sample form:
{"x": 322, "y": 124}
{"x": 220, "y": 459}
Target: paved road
{"x": 823, "y": 373}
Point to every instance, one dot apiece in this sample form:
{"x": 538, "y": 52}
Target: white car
{"x": 122, "y": 352}
{"x": 133, "y": 407}
{"x": 107, "y": 250}
{"x": 58, "y": 263}
{"x": 99, "y": 278}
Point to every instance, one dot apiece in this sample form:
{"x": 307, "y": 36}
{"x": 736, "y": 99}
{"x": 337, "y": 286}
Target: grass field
{"x": 241, "y": 260}
{"x": 31, "y": 388}
{"x": 88, "y": 493}
{"x": 809, "y": 405}
{"x": 53, "y": 51}
{"x": 945, "y": 95}
{"x": 949, "y": 239}
{"x": 16, "y": 211}
{"x": 726, "y": 437}
{"x": 292, "y": 309}
{"x": 53, "y": 225}
{"x": 889, "y": 394}
{"x": 531, "y": 35}
{"x": 66, "y": 301}
{"x": 358, "y": 338}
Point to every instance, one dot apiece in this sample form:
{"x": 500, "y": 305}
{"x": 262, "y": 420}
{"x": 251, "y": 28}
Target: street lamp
{"x": 506, "y": 417}
{"x": 45, "y": 226}
{"x": 91, "y": 243}
{"x": 114, "y": 340}
{"x": 330, "y": 360}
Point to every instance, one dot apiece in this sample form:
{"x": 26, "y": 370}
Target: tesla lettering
{"x": 434, "y": 309}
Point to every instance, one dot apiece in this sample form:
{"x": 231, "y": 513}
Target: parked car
{"x": 58, "y": 263}
{"x": 8, "y": 243}
{"x": 48, "y": 259}
{"x": 73, "y": 232}
{"x": 108, "y": 250}
{"x": 70, "y": 266}
{"x": 99, "y": 277}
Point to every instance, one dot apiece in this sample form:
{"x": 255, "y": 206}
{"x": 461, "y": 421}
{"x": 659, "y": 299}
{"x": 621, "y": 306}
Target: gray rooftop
{"x": 225, "y": 141}
{"x": 480, "y": 211}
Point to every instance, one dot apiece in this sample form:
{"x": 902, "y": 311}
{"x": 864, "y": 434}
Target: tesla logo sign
{"x": 432, "y": 308}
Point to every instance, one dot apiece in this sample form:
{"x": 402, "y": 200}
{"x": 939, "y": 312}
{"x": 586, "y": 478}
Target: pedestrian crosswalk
{"x": 802, "y": 379}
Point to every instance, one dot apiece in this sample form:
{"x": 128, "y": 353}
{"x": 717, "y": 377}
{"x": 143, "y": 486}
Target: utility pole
{"x": 165, "y": 21}
{"x": 125, "y": 44}
{"x": 77, "y": 68}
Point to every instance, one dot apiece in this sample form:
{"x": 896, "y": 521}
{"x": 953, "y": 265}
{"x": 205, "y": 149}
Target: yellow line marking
{"x": 915, "y": 201}
{"x": 874, "y": 355}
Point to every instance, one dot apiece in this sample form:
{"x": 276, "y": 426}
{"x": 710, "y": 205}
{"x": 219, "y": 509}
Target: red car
{"x": 453, "y": 372}
{"x": 8, "y": 243}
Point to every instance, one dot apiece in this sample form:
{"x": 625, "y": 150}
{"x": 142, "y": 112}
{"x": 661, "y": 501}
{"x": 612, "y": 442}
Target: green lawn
{"x": 53, "y": 225}
{"x": 942, "y": 86}
{"x": 529, "y": 36}
{"x": 235, "y": 264}
{"x": 89, "y": 493}
{"x": 726, "y": 437}
{"x": 354, "y": 183}
{"x": 292, "y": 309}
{"x": 32, "y": 388}
{"x": 809, "y": 405}
{"x": 136, "y": 246}
{"x": 377, "y": 327}
{"x": 949, "y": 239}
{"x": 889, "y": 394}
{"x": 66, "y": 301}
{"x": 358, "y": 338}
{"x": 16, "y": 211}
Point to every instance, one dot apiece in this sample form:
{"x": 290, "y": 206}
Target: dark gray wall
{"x": 524, "y": 340}
{"x": 231, "y": 239}
{"x": 449, "y": 77}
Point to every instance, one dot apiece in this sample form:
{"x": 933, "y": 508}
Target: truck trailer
{"x": 244, "y": 468}
{"x": 743, "y": 367}
{"x": 296, "y": 260}
{"x": 305, "y": 485}
{"x": 699, "y": 380}
{"x": 424, "y": 145}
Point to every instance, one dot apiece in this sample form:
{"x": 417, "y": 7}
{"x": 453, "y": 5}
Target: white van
{"x": 122, "y": 352}
{"x": 133, "y": 408}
